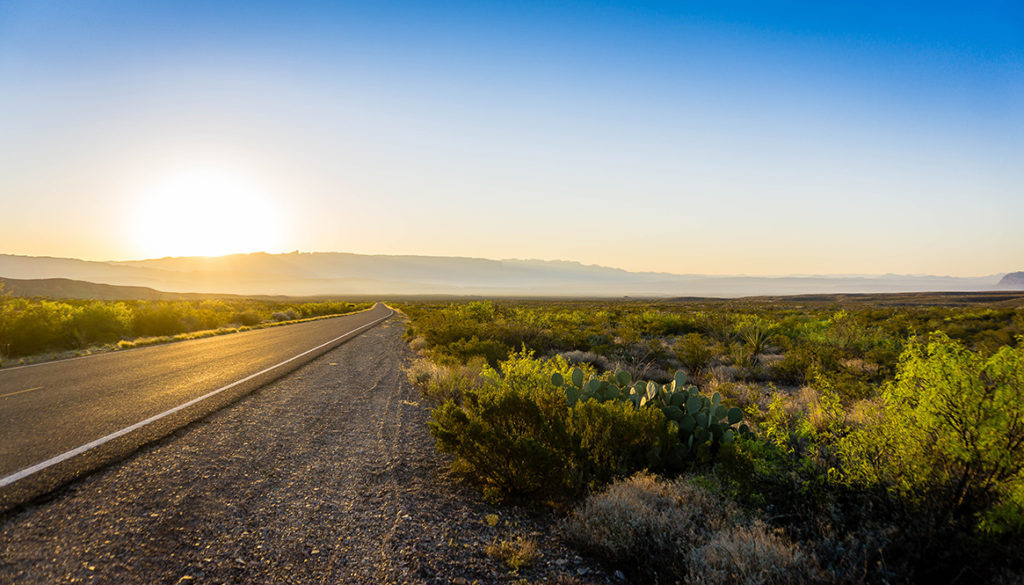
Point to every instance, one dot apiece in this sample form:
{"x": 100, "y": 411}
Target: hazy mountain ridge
{"x": 66, "y": 288}
{"x": 1012, "y": 281}
{"x": 339, "y": 273}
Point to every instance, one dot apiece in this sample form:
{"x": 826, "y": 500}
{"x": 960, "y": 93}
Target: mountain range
{"x": 337, "y": 273}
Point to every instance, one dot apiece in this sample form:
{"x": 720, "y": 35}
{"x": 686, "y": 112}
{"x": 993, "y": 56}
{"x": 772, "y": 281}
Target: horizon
{"x": 837, "y": 275}
{"x": 793, "y": 140}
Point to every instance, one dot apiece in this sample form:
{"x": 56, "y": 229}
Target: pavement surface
{"x": 49, "y": 409}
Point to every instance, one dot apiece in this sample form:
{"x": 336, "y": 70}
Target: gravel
{"x": 328, "y": 475}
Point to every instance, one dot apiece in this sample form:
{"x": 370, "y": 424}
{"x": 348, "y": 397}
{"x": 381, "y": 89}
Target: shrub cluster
{"x": 897, "y": 458}
{"x": 536, "y": 429}
{"x": 31, "y": 326}
{"x": 925, "y": 486}
{"x": 856, "y": 347}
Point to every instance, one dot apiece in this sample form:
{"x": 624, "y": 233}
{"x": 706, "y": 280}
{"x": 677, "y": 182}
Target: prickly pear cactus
{"x": 700, "y": 420}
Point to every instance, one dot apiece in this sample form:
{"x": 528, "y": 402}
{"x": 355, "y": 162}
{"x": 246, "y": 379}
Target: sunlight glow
{"x": 204, "y": 211}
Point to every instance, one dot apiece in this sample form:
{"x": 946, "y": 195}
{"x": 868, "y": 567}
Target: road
{"x": 48, "y": 411}
{"x": 327, "y": 475}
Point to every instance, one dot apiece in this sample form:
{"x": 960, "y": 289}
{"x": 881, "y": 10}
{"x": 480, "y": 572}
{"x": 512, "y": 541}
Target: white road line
{"x": 18, "y": 475}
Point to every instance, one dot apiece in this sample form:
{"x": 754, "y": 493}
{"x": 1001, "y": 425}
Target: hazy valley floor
{"x": 325, "y": 476}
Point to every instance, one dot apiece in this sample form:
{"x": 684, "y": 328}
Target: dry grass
{"x": 418, "y": 344}
{"x": 517, "y": 553}
{"x": 749, "y": 555}
{"x": 662, "y": 531}
{"x": 442, "y": 383}
{"x": 642, "y": 524}
{"x": 577, "y": 357}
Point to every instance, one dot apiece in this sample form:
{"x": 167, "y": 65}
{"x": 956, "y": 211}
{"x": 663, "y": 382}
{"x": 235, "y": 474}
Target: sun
{"x": 204, "y": 211}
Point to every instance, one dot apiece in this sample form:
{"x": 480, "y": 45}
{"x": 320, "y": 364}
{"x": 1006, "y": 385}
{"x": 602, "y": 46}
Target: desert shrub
{"x": 247, "y": 318}
{"x": 752, "y": 555}
{"x": 701, "y": 424}
{"x": 444, "y": 382}
{"x": 510, "y": 437}
{"x": 795, "y": 365}
{"x": 615, "y": 439}
{"x": 660, "y": 531}
{"x": 289, "y": 315}
{"x": 693, "y": 352}
{"x": 99, "y": 322}
{"x": 28, "y": 327}
{"x": 953, "y": 431}
{"x": 491, "y": 350}
{"x": 517, "y": 437}
{"x": 153, "y": 319}
{"x": 517, "y": 553}
{"x": 599, "y": 362}
{"x": 645, "y": 525}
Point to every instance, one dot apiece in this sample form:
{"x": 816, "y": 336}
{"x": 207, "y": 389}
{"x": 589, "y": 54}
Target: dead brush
{"x": 517, "y": 553}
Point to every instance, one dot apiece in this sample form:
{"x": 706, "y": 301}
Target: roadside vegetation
{"x": 32, "y": 326}
{"x": 743, "y": 441}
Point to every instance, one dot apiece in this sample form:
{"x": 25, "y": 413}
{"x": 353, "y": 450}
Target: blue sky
{"x": 753, "y": 138}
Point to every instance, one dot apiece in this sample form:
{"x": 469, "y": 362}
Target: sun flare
{"x": 204, "y": 211}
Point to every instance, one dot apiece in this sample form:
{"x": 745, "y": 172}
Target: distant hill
{"x": 65, "y": 288}
{"x": 336, "y": 273}
{"x": 1012, "y": 281}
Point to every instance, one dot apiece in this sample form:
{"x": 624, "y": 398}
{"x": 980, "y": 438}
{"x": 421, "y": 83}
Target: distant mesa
{"x": 1012, "y": 281}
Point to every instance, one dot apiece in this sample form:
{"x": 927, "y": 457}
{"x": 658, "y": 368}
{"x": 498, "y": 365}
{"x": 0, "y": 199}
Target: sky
{"x": 688, "y": 137}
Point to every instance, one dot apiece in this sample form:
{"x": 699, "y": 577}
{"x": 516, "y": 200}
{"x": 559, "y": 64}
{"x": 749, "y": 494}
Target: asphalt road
{"x": 49, "y": 409}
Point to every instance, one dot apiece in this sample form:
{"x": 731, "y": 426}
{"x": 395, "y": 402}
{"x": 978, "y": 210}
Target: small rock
{"x": 620, "y": 576}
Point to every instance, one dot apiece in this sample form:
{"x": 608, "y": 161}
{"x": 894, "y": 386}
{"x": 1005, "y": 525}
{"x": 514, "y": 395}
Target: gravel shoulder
{"x": 327, "y": 475}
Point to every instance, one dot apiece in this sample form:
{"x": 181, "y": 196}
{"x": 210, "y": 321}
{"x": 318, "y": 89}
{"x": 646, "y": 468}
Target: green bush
{"x": 701, "y": 424}
{"x": 247, "y": 318}
{"x": 100, "y": 322}
{"x": 31, "y": 326}
{"x": 28, "y": 327}
{"x": 952, "y": 435}
{"x": 615, "y": 439}
{"x": 511, "y": 435}
{"x": 516, "y": 436}
{"x": 154, "y": 319}
{"x": 693, "y": 352}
